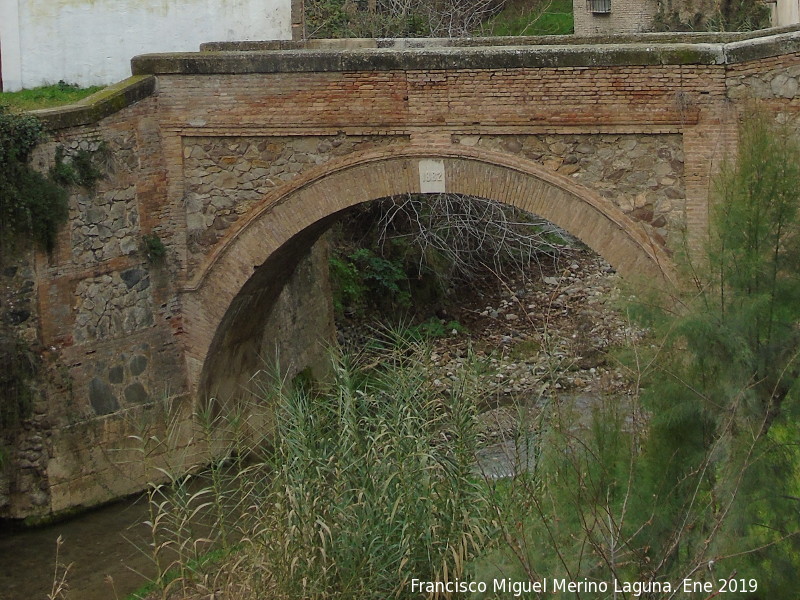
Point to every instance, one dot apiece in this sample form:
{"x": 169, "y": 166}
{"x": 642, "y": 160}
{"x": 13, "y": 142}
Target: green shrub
{"x": 153, "y": 248}
{"x": 362, "y": 279}
{"x": 347, "y": 284}
{"x": 431, "y": 329}
{"x": 80, "y": 169}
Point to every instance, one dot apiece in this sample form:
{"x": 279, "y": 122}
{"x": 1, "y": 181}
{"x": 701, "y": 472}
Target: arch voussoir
{"x": 330, "y": 188}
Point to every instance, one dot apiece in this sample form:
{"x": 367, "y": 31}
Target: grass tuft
{"x": 553, "y": 17}
{"x": 46, "y": 96}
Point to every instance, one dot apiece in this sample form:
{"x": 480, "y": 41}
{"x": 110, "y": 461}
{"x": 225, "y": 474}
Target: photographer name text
{"x": 554, "y": 585}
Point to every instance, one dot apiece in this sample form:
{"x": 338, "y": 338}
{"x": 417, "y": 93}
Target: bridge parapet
{"x": 682, "y": 37}
{"x": 472, "y": 53}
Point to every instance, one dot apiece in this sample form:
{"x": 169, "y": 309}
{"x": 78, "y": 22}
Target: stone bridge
{"x": 236, "y": 159}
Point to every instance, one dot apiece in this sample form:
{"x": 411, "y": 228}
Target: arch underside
{"x": 248, "y": 267}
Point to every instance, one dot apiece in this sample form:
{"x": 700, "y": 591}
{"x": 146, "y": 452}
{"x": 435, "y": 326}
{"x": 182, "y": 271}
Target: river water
{"x": 110, "y": 544}
{"x": 103, "y": 546}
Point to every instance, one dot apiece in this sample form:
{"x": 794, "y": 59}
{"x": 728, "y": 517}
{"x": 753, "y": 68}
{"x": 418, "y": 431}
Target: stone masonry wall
{"x": 300, "y": 326}
{"x": 100, "y": 290}
{"x": 107, "y": 350}
{"x": 225, "y": 176}
{"x": 770, "y": 79}
{"x": 641, "y": 174}
{"x": 24, "y": 447}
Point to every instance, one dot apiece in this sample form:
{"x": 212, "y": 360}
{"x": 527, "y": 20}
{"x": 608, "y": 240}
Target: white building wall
{"x": 91, "y": 42}
{"x": 785, "y": 12}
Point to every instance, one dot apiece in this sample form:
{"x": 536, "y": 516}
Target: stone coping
{"x": 99, "y": 105}
{"x": 360, "y": 58}
{"x": 692, "y": 37}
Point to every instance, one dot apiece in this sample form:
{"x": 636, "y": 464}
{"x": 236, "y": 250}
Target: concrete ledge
{"x": 99, "y": 105}
{"x": 762, "y": 47}
{"x": 382, "y": 59}
{"x": 374, "y": 55}
{"x": 699, "y": 37}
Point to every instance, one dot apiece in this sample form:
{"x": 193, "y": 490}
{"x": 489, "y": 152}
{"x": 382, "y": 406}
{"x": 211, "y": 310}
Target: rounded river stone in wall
{"x": 136, "y": 394}
{"x": 116, "y": 374}
{"x": 132, "y": 276}
{"x": 102, "y": 397}
{"x": 138, "y": 364}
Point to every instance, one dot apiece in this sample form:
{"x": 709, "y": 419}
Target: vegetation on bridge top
{"x": 46, "y": 96}
{"x": 32, "y": 205}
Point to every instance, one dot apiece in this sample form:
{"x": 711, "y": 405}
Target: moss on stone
{"x": 99, "y": 105}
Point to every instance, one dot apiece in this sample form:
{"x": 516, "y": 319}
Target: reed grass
{"x": 366, "y": 482}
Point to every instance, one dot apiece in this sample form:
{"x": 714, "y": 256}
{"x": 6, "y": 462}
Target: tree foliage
{"x": 724, "y": 389}
{"x": 700, "y": 476}
{"x": 432, "y": 18}
{"x": 724, "y": 15}
{"x": 743, "y": 15}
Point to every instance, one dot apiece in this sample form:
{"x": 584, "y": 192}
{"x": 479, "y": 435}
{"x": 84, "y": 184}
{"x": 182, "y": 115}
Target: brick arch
{"x": 261, "y": 247}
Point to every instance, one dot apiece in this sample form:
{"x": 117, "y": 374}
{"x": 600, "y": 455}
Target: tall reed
{"x": 364, "y": 482}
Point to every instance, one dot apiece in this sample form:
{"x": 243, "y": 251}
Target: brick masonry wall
{"x": 628, "y": 100}
{"x": 394, "y": 102}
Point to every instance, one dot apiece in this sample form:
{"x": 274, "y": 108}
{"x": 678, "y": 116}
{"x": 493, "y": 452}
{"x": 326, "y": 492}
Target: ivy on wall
{"x": 32, "y": 205}
{"x": 17, "y": 369}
